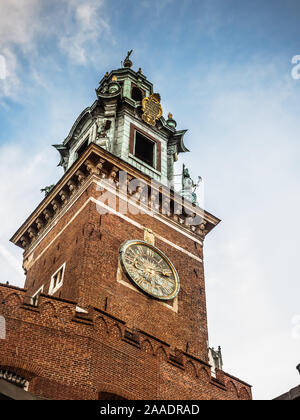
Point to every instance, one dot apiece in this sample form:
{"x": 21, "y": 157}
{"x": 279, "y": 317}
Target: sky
{"x": 224, "y": 69}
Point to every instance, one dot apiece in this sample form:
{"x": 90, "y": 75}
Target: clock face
{"x": 149, "y": 269}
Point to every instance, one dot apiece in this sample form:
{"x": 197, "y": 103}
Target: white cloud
{"x": 248, "y": 151}
{"x": 11, "y": 259}
{"x": 90, "y": 25}
{"x": 22, "y": 178}
{"x": 75, "y": 26}
{"x": 19, "y": 23}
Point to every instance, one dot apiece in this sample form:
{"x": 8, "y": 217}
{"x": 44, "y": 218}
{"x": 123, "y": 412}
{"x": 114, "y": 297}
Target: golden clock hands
{"x": 164, "y": 273}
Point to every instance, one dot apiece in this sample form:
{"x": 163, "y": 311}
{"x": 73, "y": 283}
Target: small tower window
{"x": 136, "y": 94}
{"x": 144, "y": 149}
{"x": 57, "y": 280}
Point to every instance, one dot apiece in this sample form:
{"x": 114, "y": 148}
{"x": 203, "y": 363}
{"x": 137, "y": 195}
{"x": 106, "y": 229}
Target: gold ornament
{"x": 152, "y": 109}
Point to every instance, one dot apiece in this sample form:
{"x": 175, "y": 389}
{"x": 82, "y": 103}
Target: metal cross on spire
{"x": 127, "y": 62}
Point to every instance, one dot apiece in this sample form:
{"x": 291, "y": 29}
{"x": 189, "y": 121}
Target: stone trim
{"x": 101, "y": 164}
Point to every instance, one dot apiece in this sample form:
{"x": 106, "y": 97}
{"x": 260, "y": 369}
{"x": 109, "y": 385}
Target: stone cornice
{"x": 104, "y": 165}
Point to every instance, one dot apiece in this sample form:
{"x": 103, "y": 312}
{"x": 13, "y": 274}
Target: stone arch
{"x": 115, "y": 331}
{"x": 190, "y": 369}
{"x": 28, "y": 370}
{"x": 13, "y": 299}
{"x": 162, "y": 354}
{"x": 65, "y": 314}
{"x": 147, "y": 347}
{"x": 101, "y": 326}
{"x": 18, "y": 372}
{"x": 231, "y": 387}
{"x": 48, "y": 310}
{"x": 204, "y": 374}
{"x": 12, "y": 304}
{"x": 243, "y": 394}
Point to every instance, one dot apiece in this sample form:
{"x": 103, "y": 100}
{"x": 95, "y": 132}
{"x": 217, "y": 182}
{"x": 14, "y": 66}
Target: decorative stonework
{"x": 149, "y": 236}
{"x": 96, "y": 163}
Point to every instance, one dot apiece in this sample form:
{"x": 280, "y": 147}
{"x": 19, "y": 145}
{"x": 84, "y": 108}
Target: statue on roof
{"x": 189, "y": 187}
{"x": 47, "y": 190}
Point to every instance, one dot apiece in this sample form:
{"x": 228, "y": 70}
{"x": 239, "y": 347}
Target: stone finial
{"x": 170, "y": 121}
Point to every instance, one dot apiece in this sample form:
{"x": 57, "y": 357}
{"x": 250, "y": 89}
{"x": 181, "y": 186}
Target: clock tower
{"x": 114, "y": 302}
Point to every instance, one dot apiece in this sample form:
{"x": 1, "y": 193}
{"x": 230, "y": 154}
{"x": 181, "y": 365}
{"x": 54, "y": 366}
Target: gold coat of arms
{"x": 152, "y": 109}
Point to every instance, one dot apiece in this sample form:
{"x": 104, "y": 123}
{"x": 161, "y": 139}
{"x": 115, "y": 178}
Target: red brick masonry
{"x": 127, "y": 344}
{"x": 67, "y": 355}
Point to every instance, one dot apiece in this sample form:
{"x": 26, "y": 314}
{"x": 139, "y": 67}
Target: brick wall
{"x": 65, "y": 355}
{"x": 89, "y": 245}
{"x": 127, "y": 344}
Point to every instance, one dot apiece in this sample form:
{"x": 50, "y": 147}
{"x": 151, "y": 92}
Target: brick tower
{"x": 114, "y": 304}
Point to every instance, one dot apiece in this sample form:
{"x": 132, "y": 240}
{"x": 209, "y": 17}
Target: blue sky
{"x": 223, "y": 68}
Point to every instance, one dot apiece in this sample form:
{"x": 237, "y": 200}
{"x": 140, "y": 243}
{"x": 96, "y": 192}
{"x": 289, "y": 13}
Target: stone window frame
{"x": 54, "y": 287}
{"x": 157, "y": 145}
{"x": 35, "y": 296}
